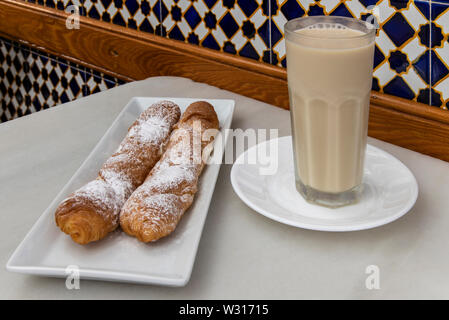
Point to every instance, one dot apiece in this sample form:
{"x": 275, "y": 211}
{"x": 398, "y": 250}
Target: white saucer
{"x": 390, "y": 191}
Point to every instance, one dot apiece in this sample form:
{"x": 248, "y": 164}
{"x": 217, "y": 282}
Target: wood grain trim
{"x": 132, "y": 55}
{"x": 409, "y": 107}
{"x": 404, "y": 129}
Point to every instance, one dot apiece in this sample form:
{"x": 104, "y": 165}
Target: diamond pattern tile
{"x": 34, "y": 82}
{"x": 142, "y": 15}
{"x": 239, "y": 27}
{"x": 96, "y": 82}
{"x": 440, "y": 55}
{"x": 60, "y": 4}
{"x": 31, "y": 81}
{"x": 403, "y": 39}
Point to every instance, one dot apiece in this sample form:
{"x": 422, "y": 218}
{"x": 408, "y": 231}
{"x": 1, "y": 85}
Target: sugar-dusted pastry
{"x": 92, "y": 211}
{"x": 155, "y": 208}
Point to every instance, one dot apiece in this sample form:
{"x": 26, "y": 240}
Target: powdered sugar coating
{"x": 129, "y": 165}
{"x": 163, "y": 197}
{"x": 120, "y": 183}
{"x": 171, "y": 177}
{"x": 100, "y": 194}
{"x": 151, "y": 130}
{"x": 155, "y": 208}
{"x": 174, "y": 176}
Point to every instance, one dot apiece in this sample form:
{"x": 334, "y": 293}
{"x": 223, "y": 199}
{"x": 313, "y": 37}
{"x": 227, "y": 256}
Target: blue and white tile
{"x": 185, "y": 20}
{"x": 403, "y": 39}
{"x": 68, "y": 6}
{"x": 8, "y": 54}
{"x": 237, "y": 27}
{"x": 440, "y": 55}
{"x": 35, "y": 81}
{"x": 142, "y": 15}
{"x": 96, "y": 82}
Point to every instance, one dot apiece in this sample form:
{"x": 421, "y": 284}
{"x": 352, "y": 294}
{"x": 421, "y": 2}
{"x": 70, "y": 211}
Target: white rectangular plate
{"x": 47, "y": 251}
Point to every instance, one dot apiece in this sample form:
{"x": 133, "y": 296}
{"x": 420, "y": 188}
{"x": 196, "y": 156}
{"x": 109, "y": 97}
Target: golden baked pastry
{"x": 92, "y": 211}
{"x": 155, "y": 208}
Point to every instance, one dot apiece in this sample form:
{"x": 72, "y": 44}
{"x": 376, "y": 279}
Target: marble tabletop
{"x": 242, "y": 255}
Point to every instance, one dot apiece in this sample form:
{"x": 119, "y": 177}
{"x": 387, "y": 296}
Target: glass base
{"x": 328, "y": 199}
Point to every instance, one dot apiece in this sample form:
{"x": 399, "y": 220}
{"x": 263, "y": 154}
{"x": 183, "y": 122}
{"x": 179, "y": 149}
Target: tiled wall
{"x": 31, "y": 80}
{"x": 412, "y": 50}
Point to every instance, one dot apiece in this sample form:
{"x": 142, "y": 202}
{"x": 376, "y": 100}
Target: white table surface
{"x": 242, "y": 255}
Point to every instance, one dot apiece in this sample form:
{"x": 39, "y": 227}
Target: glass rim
{"x": 290, "y": 30}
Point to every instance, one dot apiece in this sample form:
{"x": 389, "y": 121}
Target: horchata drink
{"x": 329, "y": 67}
